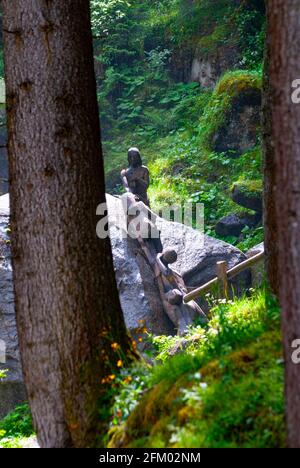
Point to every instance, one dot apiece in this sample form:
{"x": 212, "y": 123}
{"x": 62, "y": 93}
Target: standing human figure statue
{"x": 172, "y": 288}
{"x": 136, "y": 178}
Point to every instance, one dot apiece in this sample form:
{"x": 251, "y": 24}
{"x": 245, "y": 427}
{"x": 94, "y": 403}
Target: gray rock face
{"x": 139, "y": 294}
{"x": 206, "y": 68}
{"x": 197, "y": 258}
{"x": 12, "y": 389}
{"x": 203, "y": 72}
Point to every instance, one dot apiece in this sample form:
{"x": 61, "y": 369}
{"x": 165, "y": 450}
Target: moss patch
{"x": 231, "y": 85}
{"x": 250, "y": 188}
{"x": 232, "y": 402}
{"x": 224, "y": 391}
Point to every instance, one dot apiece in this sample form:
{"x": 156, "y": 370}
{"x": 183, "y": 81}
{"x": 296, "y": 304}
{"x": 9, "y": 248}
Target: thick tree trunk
{"x": 283, "y": 183}
{"x": 67, "y": 303}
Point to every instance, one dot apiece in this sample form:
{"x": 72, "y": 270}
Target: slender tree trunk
{"x": 67, "y": 303}
{"x": 270, "y": 215}
{"x": 283, "y": 185}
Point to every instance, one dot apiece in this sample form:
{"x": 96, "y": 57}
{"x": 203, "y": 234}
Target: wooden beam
{"x": 245, "y": 265}
{"x": 230, "y": 274}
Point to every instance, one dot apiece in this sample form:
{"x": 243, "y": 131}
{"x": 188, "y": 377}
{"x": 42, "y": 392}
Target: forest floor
{"x": 219, "y": 386}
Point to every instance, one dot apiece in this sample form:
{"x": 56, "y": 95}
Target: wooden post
{"x": 194, "y": 293}
{"x": 222, "y": 277}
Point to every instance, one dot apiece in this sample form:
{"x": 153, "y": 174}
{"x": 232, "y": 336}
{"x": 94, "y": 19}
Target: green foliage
{"x": 224, "y": 389}
{"x": 251, "y": 238}
{"x": 243, "y": 407}
{"x": 232, "y": 324}
{"x": 129, "y": 385}
{"x": 137, "y": 41}
{"x": 16, "y": 427}
{"x": 3, "y": 373}
{"x": 251, "y": 27}
{"x": 140, "y": 48}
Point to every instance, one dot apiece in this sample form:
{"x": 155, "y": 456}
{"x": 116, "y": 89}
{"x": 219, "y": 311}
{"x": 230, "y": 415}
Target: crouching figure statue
{"x": 172, "y": 289}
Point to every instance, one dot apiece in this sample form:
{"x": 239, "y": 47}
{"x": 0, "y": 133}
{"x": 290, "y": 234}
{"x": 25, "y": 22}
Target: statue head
{"x": 134, "y": 157}
{"x": 169, "y": 256}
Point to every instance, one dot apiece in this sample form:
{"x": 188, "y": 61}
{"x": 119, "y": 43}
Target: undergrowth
{"x": 224, "y": 389}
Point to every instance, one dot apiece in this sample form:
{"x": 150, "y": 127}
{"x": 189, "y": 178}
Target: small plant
{"x": 3, "y": 373}
{"x": 18, "y": 423}
{"x": 231, "y": 324}
{"x": 130, "y": 384}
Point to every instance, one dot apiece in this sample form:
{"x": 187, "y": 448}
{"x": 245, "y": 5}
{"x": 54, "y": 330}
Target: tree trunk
{"x": 67, "y": 305}
{"x": 283, "y": 155}
{"x": 270, "y": 219}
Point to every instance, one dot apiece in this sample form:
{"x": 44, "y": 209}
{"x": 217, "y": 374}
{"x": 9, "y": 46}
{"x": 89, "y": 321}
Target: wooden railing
{"x": 223, "y": 276}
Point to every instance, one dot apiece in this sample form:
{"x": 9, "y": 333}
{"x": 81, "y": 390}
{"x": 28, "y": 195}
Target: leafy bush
{"x": 18, "y": 423}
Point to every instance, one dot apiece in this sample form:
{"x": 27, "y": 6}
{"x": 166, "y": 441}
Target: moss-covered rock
{"x": 233, "y": 402}
{"x": 231, "y": 120}
{"x": 248, "y": 193}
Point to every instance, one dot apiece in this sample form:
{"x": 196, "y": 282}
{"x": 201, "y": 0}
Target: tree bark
{"x": 270, "y": 216}
{"x": 67, "y": 304}
{"x": 283, "y": 185}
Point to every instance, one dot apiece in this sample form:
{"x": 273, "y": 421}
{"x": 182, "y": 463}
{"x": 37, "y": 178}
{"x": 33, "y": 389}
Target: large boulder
{"x": 197, "y": 258}
{"x": 233, "y": 224}
{"x": 12, "y": 391}
{"x": 248, "y": 194}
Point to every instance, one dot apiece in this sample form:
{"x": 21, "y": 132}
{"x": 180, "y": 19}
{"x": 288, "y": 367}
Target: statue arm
{"x": 125, "y": 181}
{"x": 180, "y": 282}
{"x": 145, "y": 181}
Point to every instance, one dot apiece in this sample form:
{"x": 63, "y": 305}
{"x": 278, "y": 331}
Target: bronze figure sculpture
{"x": 170, "y": 284}
{"x": 135, "y": 178}
{"x": 172, "y": 289}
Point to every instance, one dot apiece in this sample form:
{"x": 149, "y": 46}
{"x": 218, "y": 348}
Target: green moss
{"x": 237, "y": 81}
{"x": 224, "y": 391}
{"x": 249, "y": 187}
{"x": 230, "y": 85}
{"x": 209, "y": 44}
{"x": 236, "y": 401}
